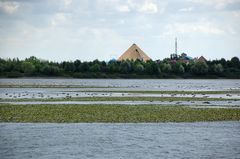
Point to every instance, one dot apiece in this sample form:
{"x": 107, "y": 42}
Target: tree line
{"x": 34, "y": 67}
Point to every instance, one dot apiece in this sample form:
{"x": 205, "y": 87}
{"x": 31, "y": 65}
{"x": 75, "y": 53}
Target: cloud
{"x": 74, "y": 28}
{"x": 201, "y": 27}
{"x": 67, "y": 2}
{"x": 189, "y": 9}
{"x": 148, "y": 7}
{"x": 236, "y": 14}
{"x": 123, "y": 8}
{"x": 121, "y": 21}
{"x": 9, "y": 7}
{"x": 140, "y": 6}
{"x": 58, "y": 19}
{"x": 217, "y": 4}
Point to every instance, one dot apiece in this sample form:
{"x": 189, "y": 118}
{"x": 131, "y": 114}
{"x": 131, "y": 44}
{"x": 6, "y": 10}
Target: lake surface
{"x": 99, "y": 140}
{"x": 40, "y": 93}
{"x": 134, "y": 84}
{"x": 101, "y": 88}
{"x": 126, "y": 140}
{"x": 192, "y": 104}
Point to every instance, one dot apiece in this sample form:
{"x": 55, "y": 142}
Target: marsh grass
{"x": 112, "y": 113}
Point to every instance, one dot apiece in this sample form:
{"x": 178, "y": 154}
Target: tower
{"x": 174, "y": 56}
{"x": 176, "y": 46}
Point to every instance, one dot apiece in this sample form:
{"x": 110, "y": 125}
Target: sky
{"x": 66, "y": 30}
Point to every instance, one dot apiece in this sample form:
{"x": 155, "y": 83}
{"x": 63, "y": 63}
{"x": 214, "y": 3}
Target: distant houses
{"x": 135, "y": 53}
{"x": 202, "y": 59}
{"x": 184, "y": 58}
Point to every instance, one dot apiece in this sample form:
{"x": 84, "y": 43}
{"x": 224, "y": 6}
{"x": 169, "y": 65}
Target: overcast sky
{"x": 103, "y": 29}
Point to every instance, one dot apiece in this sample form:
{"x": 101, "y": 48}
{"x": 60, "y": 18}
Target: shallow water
{"x": 98, "y": 140}
{"x": 44, "y": 93}
{"x": 135, "y": 84}
{"x": 121, "y": 85}
{"x": 116, "y": 85}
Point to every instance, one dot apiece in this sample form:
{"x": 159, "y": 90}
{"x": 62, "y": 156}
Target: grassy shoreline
{"x": 112, "y": 114}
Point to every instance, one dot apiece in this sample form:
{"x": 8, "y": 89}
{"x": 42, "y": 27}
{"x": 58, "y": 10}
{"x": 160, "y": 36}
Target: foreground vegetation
{"x": 167, "y": 68}
{"x": 112, "y": 113}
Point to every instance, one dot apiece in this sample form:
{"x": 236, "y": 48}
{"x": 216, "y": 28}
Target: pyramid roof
{"x": 202, "y": 59}
{"x": 134, "y": 53}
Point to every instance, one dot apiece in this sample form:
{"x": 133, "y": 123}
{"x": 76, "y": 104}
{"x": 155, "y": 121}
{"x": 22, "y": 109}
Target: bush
{"x": 14, "y": 74}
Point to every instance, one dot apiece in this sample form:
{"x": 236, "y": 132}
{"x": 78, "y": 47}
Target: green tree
{"x": 152, "y": 68}
{"x": 103, "y": 66}
{"x": 181, "y": 69}
{"x": 27, "y": 67}
{"x": 96, "y": 62}
{"x": 166, "y": 67}
{"x": 178, "y": 68}
{"x": 235, "y": 62}
{"x": 69, "y": 66}
{"x": 84, "y": 67}
{"x": 125, "y": 67}
{"x": 2, "y": 65}
{"x": 113, "y": 67}
{"x": 156, "y": 68}
{"x": 95, "y": 68}
{"x": 138, "y": 68}
{"x": 223, "y": 62}
{"x": 77, "y": 63}
{"x": 33, "y": 60}
{"x": 199, "y": 68}
{"x": 50, "y": 70}
{"x": 217, "y": 68}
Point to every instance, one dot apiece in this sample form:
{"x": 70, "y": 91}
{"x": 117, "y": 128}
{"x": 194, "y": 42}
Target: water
{"x": 128, "y": 140}
{"x": 193, "y": 104}
{"x": 98, "y": 140}
{"x": 134, "y": 84}
{"x": 104, "y": 85}
{"x": 44, "y": 93}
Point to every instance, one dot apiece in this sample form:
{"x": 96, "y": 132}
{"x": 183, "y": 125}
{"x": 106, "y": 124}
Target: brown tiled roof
{"x": 203, "y": 59}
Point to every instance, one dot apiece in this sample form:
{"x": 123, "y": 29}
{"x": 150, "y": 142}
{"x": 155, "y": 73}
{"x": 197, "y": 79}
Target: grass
{"x": 112, "y": 113}
{"x": 121, "y": 99}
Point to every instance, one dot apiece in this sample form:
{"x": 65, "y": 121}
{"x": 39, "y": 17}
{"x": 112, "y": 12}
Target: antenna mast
{"x": 176, "y": 46}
